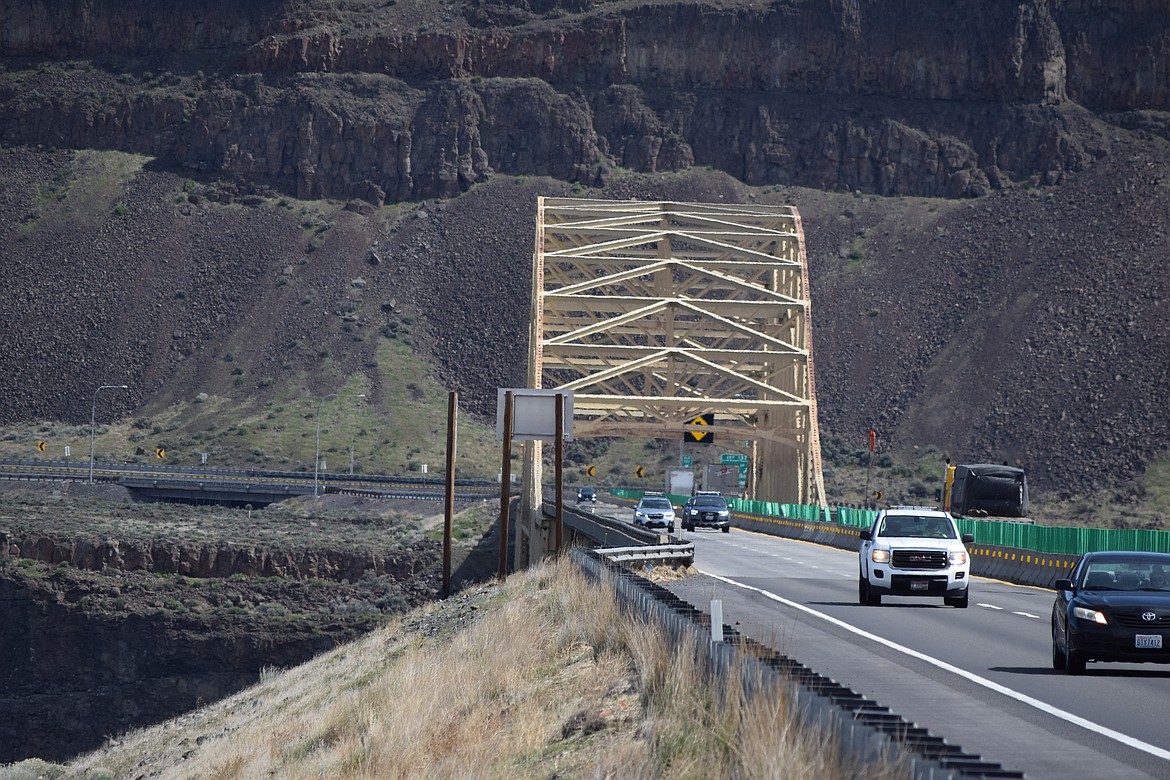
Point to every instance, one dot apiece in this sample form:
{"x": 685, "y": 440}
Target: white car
{"x": 914, "y": 551}
{"x": 654, "y": 510}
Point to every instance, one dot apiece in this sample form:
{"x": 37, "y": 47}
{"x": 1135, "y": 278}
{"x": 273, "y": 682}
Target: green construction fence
{"x": 1027, "y": 536}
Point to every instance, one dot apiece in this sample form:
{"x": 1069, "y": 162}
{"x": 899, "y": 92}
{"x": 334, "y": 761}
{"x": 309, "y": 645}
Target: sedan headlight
{"x": 1091, "y": 615}
{"x": 880, "y": 556}
{"x": 957, "y": 557}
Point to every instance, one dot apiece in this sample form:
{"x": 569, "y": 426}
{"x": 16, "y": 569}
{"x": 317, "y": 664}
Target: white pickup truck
{"x": 914, "y": 551}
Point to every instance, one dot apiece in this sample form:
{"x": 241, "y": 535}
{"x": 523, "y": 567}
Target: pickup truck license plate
{"x": 1148, "y": 641}
{"x": 924, "y": 585}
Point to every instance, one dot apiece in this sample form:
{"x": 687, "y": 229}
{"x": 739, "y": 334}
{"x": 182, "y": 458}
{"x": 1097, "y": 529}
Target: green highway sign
{"x": 686, "y": 461}
{"x": 741, "y": 461}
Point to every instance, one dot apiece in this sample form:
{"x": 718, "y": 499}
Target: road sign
{"x": 639, "y": 472}
{"x": 590, "y": 471}
{"x": 40, "y": 446}
{"x": 702, "y": 437}
{"x": 160, "y": 453}
{"x": 534, "y": 414}
{"x": 686, "y": 461}
{"x": 736, "y": 458}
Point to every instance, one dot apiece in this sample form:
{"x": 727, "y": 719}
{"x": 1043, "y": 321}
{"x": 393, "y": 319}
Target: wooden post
{"x": 448, "y": 512}
{"x": 560, "y": 480}
{"x": 505, "y": 485}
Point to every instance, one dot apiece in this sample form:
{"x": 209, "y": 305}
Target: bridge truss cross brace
{"x": 654, "y": 313}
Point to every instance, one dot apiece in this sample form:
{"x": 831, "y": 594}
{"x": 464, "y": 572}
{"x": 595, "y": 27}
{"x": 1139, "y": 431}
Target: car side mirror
{"x": 866, "y": 535}
{"x": 967, "y": 538}
{"x": 1063, "y": 584}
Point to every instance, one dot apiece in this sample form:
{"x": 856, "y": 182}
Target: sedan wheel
{"x": 1057, "y": 656}
{"x": 1074, "y": 662}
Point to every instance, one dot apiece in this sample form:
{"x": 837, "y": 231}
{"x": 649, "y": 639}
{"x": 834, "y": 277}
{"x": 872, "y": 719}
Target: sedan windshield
{"x": 1129, "y": 575}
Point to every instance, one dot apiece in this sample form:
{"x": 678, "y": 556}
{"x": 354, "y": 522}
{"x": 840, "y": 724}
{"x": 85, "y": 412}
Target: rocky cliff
{"x": 117, "y": 615}
{"x": 84, "y": 659}
{"x": 942, "y": 99}
{"x": 982, "y": 276}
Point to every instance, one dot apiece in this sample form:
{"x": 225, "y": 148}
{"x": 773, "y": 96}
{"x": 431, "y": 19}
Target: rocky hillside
{"x": 984, "y": 192}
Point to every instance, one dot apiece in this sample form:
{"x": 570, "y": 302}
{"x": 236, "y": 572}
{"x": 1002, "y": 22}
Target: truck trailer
{"x": 680, "y": 482}
{"x": 986, "y": 490}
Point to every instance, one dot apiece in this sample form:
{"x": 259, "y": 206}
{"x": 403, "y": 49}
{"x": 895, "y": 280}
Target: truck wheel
{"x": 957, "y": 601}
{"x": 867, "y": 596}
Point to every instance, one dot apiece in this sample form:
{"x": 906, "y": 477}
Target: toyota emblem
{"x": 1149, "y": 616}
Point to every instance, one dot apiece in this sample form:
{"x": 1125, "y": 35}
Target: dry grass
{"x": 541, "y": 677}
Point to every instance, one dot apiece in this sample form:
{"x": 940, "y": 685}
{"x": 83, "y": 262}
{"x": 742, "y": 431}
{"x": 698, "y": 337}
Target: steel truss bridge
{"x": 657, "y": 315}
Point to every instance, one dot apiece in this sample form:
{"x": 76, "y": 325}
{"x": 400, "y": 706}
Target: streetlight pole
{"x": 93, "y": 421}
{"x": 317, "y": 448}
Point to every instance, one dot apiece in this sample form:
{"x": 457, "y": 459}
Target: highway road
{"x": 298, "y": 483}
{"x": 980, "y": 678}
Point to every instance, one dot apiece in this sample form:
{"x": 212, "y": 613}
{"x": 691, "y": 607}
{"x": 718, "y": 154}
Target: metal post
{"x": 93, "y": 421}
{"x": 872, "y": 443}
{"x": 506, "y": 487}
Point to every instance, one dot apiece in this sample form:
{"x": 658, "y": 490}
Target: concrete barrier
{"x": 1011, "y": 564}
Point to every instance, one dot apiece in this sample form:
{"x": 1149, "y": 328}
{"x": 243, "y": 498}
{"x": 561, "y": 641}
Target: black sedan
{"x": 1115, "y": 606}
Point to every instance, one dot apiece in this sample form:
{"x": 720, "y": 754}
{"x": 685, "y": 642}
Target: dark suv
{"x": 706, "y": 510}
{"x": 586, "y": 495}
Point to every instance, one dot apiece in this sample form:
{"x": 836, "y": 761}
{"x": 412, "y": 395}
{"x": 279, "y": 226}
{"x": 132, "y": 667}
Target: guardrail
{"x": 621, "y": 541}
{"x": 859, "y": 729}
{"x": 863, "y": 729}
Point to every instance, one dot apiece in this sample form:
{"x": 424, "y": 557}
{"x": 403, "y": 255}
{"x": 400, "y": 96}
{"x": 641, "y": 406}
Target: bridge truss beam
{"x": 653, "y": 313}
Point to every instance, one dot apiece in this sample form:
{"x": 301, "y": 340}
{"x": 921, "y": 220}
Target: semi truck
{"x": 986, "y": 490}
{"x": 721, "y": 478}
{"x": 680, "y": 482}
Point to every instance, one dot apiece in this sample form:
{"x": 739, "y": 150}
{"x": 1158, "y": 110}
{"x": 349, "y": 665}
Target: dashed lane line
{"x": 1056, "y": 712}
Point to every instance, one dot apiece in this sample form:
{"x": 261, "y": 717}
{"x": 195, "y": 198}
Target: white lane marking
{"x": 1027, "y": 615}
{"x": 1069, "y": 717}
{"x": 988, "y": 606}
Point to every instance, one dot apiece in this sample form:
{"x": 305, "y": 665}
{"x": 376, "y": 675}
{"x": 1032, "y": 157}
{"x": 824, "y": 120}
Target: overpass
{"x": 664, "y": 318}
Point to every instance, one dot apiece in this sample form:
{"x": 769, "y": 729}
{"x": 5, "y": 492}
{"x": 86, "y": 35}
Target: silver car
{"x": 655, "y": 511}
